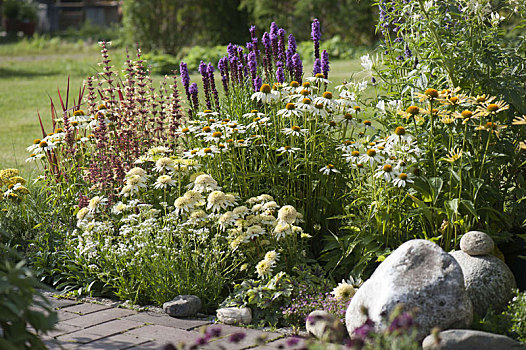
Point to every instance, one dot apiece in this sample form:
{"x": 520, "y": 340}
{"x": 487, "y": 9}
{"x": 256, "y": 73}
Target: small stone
{"x": 235, "y": 315}
{"x": 464, "y": 339}
{"x": 183, "y": 306}
{"x": 489, "y": 282}
{"x": 325, "y": 326}
{"x": 476, "y": 243}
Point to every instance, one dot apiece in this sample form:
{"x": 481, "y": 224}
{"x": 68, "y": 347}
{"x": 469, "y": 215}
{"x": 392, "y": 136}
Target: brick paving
{"x": 88, "y": 326}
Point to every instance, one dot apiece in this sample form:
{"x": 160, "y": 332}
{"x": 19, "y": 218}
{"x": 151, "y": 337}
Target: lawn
{"x": 31, "y": 73}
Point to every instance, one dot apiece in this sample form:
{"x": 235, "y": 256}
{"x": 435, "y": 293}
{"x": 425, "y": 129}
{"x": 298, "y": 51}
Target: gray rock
{"x": 183, "y": 306}
{"x": 325, "y": 326}
{"x": 476, "y": 243}
{"x": 464, "y": 339}
{"x": 488, "y": 280}
{"x": 234, "y": 315}
{"x": 419, "y": 274}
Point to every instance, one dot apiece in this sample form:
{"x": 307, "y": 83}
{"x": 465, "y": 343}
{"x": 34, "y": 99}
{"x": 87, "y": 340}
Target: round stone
{"x": 476, "y": 243}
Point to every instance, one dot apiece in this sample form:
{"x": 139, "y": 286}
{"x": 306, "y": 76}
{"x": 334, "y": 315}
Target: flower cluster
{"x": 12, "y": 185}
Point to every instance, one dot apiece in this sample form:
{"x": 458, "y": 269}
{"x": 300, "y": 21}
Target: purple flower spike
{"x": 325, "y": 64}
{"x": 316, "y": 36}
{"x": 231, "y": 50}
{"x": 194, "y": 93}
{"x": 280, "y": 75}
{"x": 292, "y": 43}
{"x": 288, "y": 61}
{"x": 252, "y": 31}
{"x": 185, "y": 78}
{"x": 298, "y": 67}
{"x": 252, "y": 64}
{"x": 223, "y": 69}
{"x": 236, "y": 337}
{"x": 267, "y": 61}
{"x": 203, "y": 70}
{"x": 210, "y": 70}
{"x": 273, "y": 28}
{"x": 281, "y": 44}
{"x": 257, "y": 83}
{"x": 317, "y": 67}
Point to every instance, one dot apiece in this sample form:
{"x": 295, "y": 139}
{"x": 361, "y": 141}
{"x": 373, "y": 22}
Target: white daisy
{"x": 294, "y": 131}
{"x": 164, "y": 181}
{"x": 328, "y": 169}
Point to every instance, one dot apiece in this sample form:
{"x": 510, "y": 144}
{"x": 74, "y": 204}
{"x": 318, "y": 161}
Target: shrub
{"x": 25, "y": 313}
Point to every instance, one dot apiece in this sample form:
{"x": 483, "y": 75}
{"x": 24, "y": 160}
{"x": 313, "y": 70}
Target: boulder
{"x": 489, "y": 282}
{"x": 476, "y": 243}
{"x": 183, "y": 306}
{"x": 420, "y": 275}
{"x": 325, "y": 326}
{"x": 234, "y": 315}
{"x": 464, "y": 339}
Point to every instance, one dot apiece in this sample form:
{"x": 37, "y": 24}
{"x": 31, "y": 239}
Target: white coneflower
{"x": 82, "y": 213}
{"x": 118, "y": 208}
{"x": 270, "y": 205}
{"x": 182, "y": 204}
{"x": 240, "y": 211}
{"x": 325, "y": 100}
{"x": 95, "y": 202}
{"x": 385, "y": 171}
{"x": 194, "y": 198}
{"x": 266, "y": 219}
{"x": 198, "y": 215}
{"x": 287, "y": 214}
{"x": 318, "y": 79}
{"x": 265, "y": 95}
{"x": 371, "y": 155}
{"x": 272, "y": 256}
{"x": 226, "y": 220}
{"x": 159, "y": 150}
{"x": 294, "y": 131}
{"x": 402, "y": 179}
{"x": 264, "y": 269}
{"x": 164, "y": 181}
{"x": 217, "y": 201}
{"x": 288, "y": 149}
{"x": 289, "y": 111}
{"x": 164, "y": 164}
{"x": 328, "y": 169}
{"x": 282, "y": 229}
{"x": 205, "y": 183}
{"x": 344, "y": 291}
{"x": 264, "y": 198}
{"x": 136, "y": 171}
{"x": 257, "y": 207}
{"x": 254, "y": 232}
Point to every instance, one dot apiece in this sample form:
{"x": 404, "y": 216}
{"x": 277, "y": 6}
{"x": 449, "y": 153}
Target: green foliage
{"x": 21, "y": 304}
{"x": 479, "y": 48}
{"x": 170, "y": 25}
{"x": 511, "y": 322}
{"x": 22, "y": 10}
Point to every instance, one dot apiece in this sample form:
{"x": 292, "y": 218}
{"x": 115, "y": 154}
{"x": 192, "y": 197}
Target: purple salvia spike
{"x": 325, "y": 64}
{"x": 316, "y": 36}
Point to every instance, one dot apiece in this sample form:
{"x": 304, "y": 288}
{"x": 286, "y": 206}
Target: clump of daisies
{"x": 12, "y": 186}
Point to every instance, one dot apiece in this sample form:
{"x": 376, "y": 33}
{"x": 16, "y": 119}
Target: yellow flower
{"x": 491, "y": 128}
{"x": 519, "y": 120}
{"x": 487, "y": 108}
{"x": 453, "y": 156}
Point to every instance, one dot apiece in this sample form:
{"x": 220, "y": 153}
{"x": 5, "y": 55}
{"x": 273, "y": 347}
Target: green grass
{"x": 32, "y": 71}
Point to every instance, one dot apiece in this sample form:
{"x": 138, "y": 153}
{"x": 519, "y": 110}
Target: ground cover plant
{"x": 266, "y": 174}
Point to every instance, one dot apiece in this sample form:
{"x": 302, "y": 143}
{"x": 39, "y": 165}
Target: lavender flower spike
{"x": 203, "y": 70}
{"x": 211, "y": 80}
{"x": 316, "y": 36}
{"x": 325, "y": 64}
{"x": 280, "y": 75}
{"x": 292, "y": 43}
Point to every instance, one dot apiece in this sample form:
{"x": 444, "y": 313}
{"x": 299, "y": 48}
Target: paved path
{"x": 98, "y": 326}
